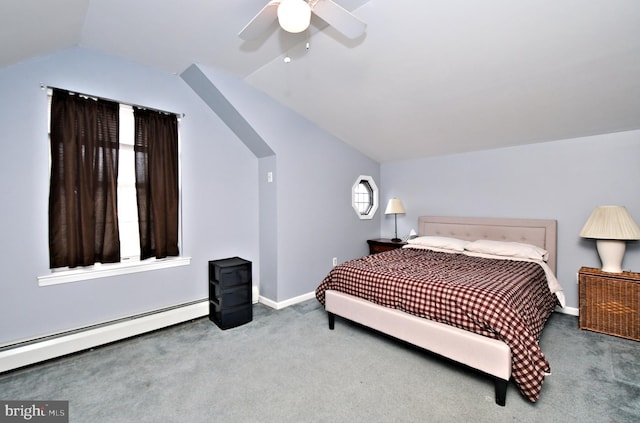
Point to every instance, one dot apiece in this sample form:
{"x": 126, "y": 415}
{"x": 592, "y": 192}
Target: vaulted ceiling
{"x": 428, "y": 77}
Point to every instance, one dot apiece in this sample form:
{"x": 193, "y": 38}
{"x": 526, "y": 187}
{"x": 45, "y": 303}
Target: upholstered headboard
{"x": 539, "y": 232}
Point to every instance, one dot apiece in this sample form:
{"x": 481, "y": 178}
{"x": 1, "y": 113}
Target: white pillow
{"x": 440, "y": 242}
{"x": 509, "y": 249}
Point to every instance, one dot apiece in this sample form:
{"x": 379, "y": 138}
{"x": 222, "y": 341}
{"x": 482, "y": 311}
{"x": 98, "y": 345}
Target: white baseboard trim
{"x": 255, "y": 294}
{"x": 573, "y": 311}
{"x": 287, "y": 303}
{"x": 26, "y": 353}
{"x": 35, "y": 351}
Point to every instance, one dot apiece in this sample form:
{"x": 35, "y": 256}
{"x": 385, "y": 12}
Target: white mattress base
{"x": 488, "y": 355}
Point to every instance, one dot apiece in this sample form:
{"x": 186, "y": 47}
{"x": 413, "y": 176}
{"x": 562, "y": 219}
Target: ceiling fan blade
{"x": 260, "y": 22}
{"x": 339, "y": 18}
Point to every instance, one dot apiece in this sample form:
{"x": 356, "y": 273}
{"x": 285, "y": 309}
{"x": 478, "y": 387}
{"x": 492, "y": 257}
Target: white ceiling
{"x": 429, "y": 77}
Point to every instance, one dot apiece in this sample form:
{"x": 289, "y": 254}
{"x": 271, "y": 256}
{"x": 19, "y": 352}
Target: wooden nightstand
{"x": 383, "y": 244}
{"x": 609, "y": 302}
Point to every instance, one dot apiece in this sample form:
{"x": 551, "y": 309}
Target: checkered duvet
{"x": 501, "y": 299}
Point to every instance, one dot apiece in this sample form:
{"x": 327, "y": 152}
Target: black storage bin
{"x": 230, "y": 292}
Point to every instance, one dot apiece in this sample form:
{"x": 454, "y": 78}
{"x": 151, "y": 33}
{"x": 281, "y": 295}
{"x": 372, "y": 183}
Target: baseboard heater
{"x": 34, "y": 351}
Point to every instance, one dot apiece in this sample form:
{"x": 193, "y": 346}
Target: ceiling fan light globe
{"x": 294, "y": 15}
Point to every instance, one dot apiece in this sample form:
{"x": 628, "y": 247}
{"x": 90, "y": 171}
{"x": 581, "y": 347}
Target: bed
{"x": 448, "y": 315}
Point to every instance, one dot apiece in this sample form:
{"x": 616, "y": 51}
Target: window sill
{"x": 106, "y": 270}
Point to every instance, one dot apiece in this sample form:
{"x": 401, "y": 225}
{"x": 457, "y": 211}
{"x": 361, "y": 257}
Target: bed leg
{"x": 332, "y": 319}
{"x": 501, "y": 391}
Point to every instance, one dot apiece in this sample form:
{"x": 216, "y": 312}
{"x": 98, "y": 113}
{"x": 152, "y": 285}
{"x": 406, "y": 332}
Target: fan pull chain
{"x": 287, "y": 58}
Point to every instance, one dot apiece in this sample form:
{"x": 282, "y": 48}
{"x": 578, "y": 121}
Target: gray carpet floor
{"x": 287, "y": 366}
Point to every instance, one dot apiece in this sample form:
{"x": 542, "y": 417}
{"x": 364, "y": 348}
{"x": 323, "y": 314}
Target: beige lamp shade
{"x": 294, "y": 15}
{"x": 394, "y": 206}
{"x": 611, "y": 222}
{"x": 611, "y": 226}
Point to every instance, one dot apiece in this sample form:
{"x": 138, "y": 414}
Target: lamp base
{"x": 611, "y": 252}
{"x": 395, "y": 240}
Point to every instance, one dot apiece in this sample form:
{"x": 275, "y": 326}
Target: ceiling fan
{"x": 295, "y": 15}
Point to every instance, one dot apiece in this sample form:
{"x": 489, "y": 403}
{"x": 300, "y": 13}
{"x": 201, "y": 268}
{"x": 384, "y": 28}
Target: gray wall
{"x": 563, "y": 180}
{"x": 221, "y": 196}
{"x": 313, "y": 173}
{"x": 215, "y": 167}
{"x": 289, "y": 229}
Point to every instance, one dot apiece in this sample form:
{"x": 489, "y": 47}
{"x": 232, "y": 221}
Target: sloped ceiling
{"x": 429, "y": 77}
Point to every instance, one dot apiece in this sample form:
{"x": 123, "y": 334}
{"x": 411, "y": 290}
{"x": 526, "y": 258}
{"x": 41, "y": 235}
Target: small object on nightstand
{"x": 609, "y": 302}
{"x": 383, "y": 244}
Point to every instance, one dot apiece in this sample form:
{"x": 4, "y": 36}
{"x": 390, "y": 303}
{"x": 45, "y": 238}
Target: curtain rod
{"x": 43, "y": 87}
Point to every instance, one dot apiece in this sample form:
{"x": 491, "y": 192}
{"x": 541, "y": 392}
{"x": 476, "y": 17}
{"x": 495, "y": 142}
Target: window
{"x": 140, "y": 145}
{"x": 127, "y": 202}
{"x": 364, "y": 197}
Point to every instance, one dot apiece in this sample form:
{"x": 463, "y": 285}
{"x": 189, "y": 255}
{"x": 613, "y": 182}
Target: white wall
{"x": 216, "y": 169}
{"x": 563, "y": 180}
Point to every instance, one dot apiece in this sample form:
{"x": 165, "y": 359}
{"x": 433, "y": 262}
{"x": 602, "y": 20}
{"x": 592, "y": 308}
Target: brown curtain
{"x": 83, "y": 220}
{"x": 156, "y": 157}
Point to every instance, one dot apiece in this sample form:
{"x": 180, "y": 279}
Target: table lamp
{"x": 611, "y": 226}
{"x": 395, "y": 207}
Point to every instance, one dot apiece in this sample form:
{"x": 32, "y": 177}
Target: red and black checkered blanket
{"x": 502, "y": 299}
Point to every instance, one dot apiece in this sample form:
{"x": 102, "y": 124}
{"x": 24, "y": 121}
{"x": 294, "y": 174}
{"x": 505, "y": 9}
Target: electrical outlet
{"x": 335, "y": 261}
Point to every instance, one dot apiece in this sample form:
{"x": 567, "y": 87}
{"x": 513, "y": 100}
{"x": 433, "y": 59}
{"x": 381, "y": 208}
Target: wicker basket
{"x": 609, "y": 302}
